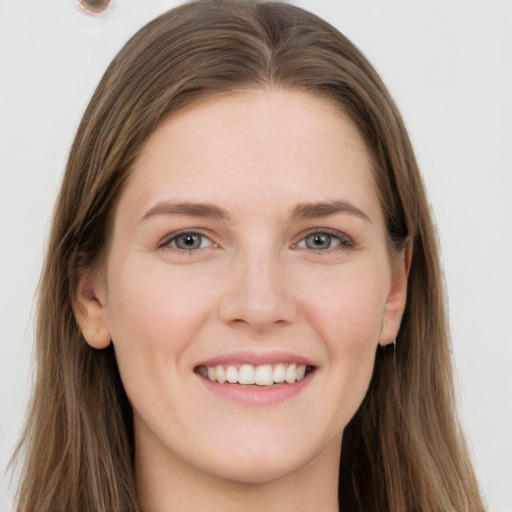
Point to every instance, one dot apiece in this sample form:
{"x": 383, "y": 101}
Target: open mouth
{"x": 260, "y": 375}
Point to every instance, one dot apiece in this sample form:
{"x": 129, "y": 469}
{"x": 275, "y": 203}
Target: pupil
{"x": 318, "y": 241}
{"x": 188, "y": 241}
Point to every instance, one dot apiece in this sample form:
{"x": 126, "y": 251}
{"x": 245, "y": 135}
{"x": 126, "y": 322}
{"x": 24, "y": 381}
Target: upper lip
{"x": 256, "y": 359}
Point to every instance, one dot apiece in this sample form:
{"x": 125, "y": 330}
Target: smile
{"x": 260, "y": 375}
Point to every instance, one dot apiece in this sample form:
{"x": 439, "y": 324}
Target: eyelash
{"x": 345, "y": 242}
{"x": 168, "y": 241}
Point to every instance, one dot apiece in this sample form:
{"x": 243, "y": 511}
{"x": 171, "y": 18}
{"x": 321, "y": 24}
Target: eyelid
{"x": 346, "y": 242}
{"x": 165, "y": 242}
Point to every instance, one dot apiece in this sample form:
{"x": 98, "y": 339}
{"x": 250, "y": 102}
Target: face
{"x": 247, "y": 286}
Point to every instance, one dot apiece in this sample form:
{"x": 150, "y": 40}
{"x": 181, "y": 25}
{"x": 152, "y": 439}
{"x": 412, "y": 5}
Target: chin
{"x": 257, "y": 470}
{"x": 271, "y": 462}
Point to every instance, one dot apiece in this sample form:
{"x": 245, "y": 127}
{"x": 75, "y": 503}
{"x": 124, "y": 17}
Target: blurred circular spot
{"x": 94, "y": 6}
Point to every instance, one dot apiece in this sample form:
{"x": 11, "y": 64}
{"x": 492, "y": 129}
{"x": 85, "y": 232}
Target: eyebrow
{"x": 323, "y": 209}
{"x": 302, "y": 211}
{"x": 192, "y": 209}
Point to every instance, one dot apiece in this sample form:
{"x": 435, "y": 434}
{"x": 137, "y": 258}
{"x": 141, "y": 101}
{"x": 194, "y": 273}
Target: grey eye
{"x": 188, "y": 241}
{"x": 94, "y": 6}
{"x": 319, "y": 241}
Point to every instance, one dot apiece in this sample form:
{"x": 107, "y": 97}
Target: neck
{"x": 169, "y": 483}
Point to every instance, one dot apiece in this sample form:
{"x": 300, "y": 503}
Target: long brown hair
{"x": 403, "y": 451}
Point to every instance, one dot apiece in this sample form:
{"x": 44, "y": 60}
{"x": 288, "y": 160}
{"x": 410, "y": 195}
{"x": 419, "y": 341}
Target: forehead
{"x": 278, "y": 146}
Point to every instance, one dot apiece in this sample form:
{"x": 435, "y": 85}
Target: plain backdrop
{"x": 448, "y": 64}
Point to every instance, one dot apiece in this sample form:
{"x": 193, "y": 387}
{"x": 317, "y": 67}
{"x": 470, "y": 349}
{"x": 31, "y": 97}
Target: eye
{"x": 320, "y": 241}
{"x": 187, "y": 241}
{"x": 325, "y": 240}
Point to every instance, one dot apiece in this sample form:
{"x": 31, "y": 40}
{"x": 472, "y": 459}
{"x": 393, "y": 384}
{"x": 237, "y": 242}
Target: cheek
{"x": 348, "y": 310}
{"x": 153, "y": 312}
{"x": 348, "y": 316}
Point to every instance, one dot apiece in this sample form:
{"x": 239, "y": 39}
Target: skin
{"x": 256, "y": 284}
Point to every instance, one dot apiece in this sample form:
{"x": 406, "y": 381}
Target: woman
{"x": 242, "y": 300}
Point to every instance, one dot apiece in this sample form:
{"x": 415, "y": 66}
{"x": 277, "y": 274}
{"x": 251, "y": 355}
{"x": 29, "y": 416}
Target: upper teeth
{"x": 262, "y": 375}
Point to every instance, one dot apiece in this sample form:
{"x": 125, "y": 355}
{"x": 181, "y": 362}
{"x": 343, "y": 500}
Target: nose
{"x": 259, "y": 294}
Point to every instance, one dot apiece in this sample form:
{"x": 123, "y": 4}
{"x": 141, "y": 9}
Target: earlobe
{"x": 397, "y": 297}
{"x": 89, "y": 311}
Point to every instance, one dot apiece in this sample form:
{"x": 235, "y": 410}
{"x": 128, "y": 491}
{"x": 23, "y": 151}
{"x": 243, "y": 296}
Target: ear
{"x": 397, "y": 296}
{"x": 89, "y": 309}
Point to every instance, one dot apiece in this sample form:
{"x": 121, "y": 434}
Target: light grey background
{"x": 449, "y": 66}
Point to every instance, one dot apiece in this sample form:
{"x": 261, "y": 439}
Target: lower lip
{"x": 257, "y": 395}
